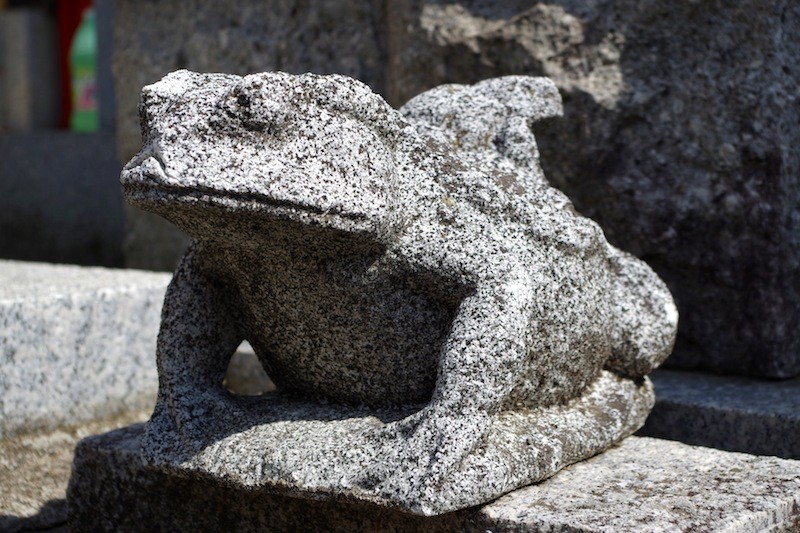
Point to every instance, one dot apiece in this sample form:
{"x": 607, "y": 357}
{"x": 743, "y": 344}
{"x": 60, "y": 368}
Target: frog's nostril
{"x": 154, "y": 167}
{"x": 145, "y": 167}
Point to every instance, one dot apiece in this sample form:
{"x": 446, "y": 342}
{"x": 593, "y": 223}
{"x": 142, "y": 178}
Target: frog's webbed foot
{"x": 417, "y": 458}
{"x": 432, "y": 459}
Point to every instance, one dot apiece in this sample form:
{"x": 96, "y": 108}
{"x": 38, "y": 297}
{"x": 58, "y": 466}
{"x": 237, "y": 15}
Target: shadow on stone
{"x": 755, "y": 416}
{"x": 52, "y": 516}
{"x": 106, "y": 465}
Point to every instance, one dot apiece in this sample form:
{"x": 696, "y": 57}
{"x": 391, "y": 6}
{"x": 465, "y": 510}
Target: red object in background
{"x": 69, "y": 17}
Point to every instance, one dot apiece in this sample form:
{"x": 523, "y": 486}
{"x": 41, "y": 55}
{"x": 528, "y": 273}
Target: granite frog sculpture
{"x": 441, "y": 324}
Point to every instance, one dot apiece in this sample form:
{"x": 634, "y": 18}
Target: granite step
{"x": 35, "y": 468}
{"x": 757, "y": 416}
{"x": 644, "y": 484}
{"x": 76, "y": 343}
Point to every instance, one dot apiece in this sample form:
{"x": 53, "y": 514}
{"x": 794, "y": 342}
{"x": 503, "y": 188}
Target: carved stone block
{"x": 441, "y": 325}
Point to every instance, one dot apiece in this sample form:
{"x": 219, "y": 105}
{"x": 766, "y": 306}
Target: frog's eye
{"x": 256, "y": 110}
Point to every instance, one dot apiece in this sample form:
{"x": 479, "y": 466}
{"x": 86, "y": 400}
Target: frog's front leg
{"x": 199, "y": 333}
{"x": 480, "y": 363}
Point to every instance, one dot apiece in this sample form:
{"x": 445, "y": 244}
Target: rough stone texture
{"x": 679, "y": 135}
{"x": 731, "y": 413}
{"x": 655, "y": 485}
{"x": 35, "y": 468}
{"x": 75, "y": 343}
{"x": 679, "y": 138}
{"x": 153, "y": 38}
{"x": 642, "y": 485}
{"x": 385, "y": 259}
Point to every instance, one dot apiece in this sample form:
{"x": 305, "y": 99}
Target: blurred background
{"x": 59, "y": 200}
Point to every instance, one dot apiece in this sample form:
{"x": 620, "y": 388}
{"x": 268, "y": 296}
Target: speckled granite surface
{"x": 76, "y": 343}
{"x": 757, "y": 416}
{"x": 413, "y": 258}
{"x": 641, "y": 485}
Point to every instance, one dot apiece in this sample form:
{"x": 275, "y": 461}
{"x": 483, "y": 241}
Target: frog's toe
{"x": 418, "y": 456}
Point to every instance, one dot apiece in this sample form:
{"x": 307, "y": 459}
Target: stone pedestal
{"x": 642, "y": 485}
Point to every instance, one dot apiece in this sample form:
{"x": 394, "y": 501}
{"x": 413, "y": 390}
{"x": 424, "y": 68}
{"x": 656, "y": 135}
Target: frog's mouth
{"x": 146, "y": 185}
{"x": 152, "y": 196}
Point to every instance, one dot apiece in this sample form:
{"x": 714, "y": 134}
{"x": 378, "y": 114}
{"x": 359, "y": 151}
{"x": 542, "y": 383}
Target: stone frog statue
{"x": 413, "y": 262}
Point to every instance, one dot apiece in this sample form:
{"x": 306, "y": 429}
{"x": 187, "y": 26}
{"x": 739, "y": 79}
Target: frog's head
{"x": 317, "y": 150}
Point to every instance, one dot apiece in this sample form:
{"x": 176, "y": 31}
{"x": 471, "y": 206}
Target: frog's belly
{"x": 372, "y": 344}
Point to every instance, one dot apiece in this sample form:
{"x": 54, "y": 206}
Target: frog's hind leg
{"x": 518, "y": 447}
{"x": 527, "y": 446}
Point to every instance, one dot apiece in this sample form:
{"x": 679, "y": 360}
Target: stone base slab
{"x": 756, "y": 416}
{"x": 291, "y": 445}
{"x": 643, "y": 484}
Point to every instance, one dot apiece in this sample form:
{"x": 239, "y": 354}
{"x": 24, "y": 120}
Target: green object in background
{"x": 83, "y": 71}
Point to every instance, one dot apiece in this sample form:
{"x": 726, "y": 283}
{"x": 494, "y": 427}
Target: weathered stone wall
{"x": 678, "y": 137}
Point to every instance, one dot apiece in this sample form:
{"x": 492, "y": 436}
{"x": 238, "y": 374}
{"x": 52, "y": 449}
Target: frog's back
{"x": 489, "y": 158}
